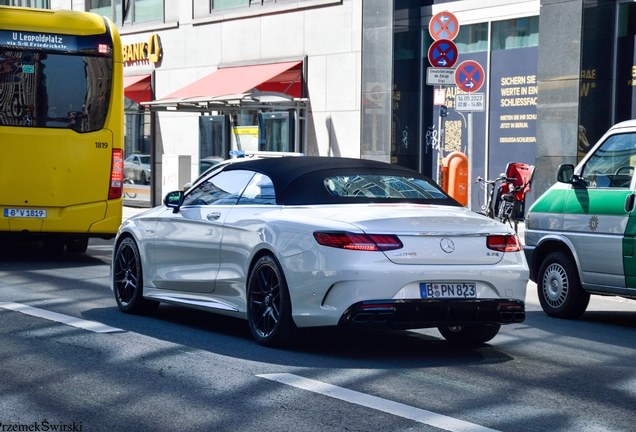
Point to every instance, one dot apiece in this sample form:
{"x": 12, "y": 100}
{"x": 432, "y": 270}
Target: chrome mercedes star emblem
{"x": 447, "y": 245}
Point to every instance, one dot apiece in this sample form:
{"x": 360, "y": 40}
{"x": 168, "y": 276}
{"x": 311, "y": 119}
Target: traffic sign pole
{"x": 442, "y": 54}
{"x": 470, "y": 159}
{"x": 469, "y": 77}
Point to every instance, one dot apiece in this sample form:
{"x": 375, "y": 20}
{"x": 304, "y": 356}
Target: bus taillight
{"x": 116, "y": 175}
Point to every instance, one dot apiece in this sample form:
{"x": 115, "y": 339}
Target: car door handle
{"x": 213, "y": 216}
{"x": 629, "y": 202}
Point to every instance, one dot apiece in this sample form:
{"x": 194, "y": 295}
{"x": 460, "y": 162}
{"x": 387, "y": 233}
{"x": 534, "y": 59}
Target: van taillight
{"x": 116, "y": 175}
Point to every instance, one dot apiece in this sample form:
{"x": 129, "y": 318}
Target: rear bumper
{"x": 424, "y": 313}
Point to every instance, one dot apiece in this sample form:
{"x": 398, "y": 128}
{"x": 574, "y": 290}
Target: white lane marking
{"x": 387, "y": 406}
{"x": 64, "y": 319}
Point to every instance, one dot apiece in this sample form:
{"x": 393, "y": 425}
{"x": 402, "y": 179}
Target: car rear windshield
{"x": 379, "y": 186}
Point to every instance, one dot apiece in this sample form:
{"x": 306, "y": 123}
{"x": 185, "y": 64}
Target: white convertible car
{"x": 288, "y": 243}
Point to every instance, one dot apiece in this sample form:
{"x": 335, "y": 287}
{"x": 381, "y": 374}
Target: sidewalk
{"x": 521, "y": 228}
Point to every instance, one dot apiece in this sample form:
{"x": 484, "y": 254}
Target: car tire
{"x": 269, "y": 308}
{"x": 559, "y": 287}
{"x": 128, "y": 280}
{"x": 143, "y": 178}
{"x": 471, "y": 334}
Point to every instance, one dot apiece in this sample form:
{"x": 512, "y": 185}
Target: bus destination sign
{"x": 44, "y": 41}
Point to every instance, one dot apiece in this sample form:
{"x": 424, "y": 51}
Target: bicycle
{"x": 508, "y": 204}
{"x": 488, "y": 186}
{"x": 128, "y": 194}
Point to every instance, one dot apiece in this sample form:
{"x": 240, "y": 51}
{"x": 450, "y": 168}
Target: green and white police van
{"x": 580, "y": 234}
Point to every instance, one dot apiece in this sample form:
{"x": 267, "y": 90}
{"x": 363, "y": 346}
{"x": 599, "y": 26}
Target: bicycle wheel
{"x": 127, "y": 194}
{"x": 504, "y": 214}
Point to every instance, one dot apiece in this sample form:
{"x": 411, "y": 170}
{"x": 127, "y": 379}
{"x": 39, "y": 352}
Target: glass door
{"x": 274, "y": 132}
{"x": 213, "y": 141}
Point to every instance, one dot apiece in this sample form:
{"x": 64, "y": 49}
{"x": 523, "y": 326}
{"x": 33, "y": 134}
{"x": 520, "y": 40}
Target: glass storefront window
{"x": 148, "y": 10}
{"x": 137, "y": 154}
{"x": 626, "y": 21}
{"x": 472, "y": 38}
{"x": 140, "y": 10}
{"x": 40, "y": 4}
{"x": 225, "y": 4}
{"x": 101, "y": 7}
{"x": 515, "y": 33}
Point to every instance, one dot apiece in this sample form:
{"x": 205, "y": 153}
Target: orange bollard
{"x": 455, "y": 181}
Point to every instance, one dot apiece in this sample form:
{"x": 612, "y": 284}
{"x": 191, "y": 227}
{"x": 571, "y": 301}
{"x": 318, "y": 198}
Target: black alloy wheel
{"x": 559, "y": 287}
{"x": 471, "y": 334}
{"x": 128, "y": 280}
{"x": 269, "y": 306}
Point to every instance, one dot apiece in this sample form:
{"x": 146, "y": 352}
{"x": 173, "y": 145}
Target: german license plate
{"x": 24, "y": 213}
{"x": 448, "y": 290}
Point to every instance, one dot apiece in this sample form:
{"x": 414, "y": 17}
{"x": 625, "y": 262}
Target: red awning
{"x": 274, "y": 77}
{"x": 138, "y": 88}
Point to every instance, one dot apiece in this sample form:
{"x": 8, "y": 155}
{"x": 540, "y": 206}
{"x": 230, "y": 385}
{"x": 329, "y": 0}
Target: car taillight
{"x": 116, "y": 175}
{"x": 361, "y": 242}
{"x": 504, "y": 243}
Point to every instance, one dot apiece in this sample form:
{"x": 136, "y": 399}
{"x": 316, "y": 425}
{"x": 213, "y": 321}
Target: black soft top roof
{"x": 300, "y": 180}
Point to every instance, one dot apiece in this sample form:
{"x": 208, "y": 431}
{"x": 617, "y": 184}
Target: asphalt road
{"x": 185, "y": 370}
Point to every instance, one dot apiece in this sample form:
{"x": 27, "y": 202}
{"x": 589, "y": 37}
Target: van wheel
{"x": 559, "y": 287}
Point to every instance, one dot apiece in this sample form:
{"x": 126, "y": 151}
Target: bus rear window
{"x": 54, "y": 90}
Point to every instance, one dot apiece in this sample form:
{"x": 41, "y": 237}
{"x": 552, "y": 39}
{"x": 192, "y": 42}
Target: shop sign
{"x": 144, "y": 51}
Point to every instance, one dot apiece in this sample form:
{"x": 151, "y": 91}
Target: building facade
{"x": 349, "y": 78}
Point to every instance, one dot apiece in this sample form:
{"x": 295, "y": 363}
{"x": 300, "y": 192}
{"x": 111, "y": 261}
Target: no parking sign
{"x": 443, "y": 25}
{"x": 443, "y": 53}
{"x": 469, "y": 76}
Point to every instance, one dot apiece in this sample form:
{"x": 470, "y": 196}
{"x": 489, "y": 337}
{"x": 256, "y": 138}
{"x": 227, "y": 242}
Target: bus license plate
{"x": 24, "y": 213}
{"x": 448, "y": 290}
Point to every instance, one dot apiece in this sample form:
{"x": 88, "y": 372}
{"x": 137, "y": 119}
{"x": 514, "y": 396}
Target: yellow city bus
{"x": 61, "y": 127}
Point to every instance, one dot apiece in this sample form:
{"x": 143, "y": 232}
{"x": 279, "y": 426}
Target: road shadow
{"x": 32, "y": 255}
{"x": 316, "y": 347}
{"x": 612, "y": 327}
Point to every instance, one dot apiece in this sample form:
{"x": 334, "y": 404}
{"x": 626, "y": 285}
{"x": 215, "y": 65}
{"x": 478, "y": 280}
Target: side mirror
{"x": 565, "y": 173}
{"x": 174, "y": 200}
